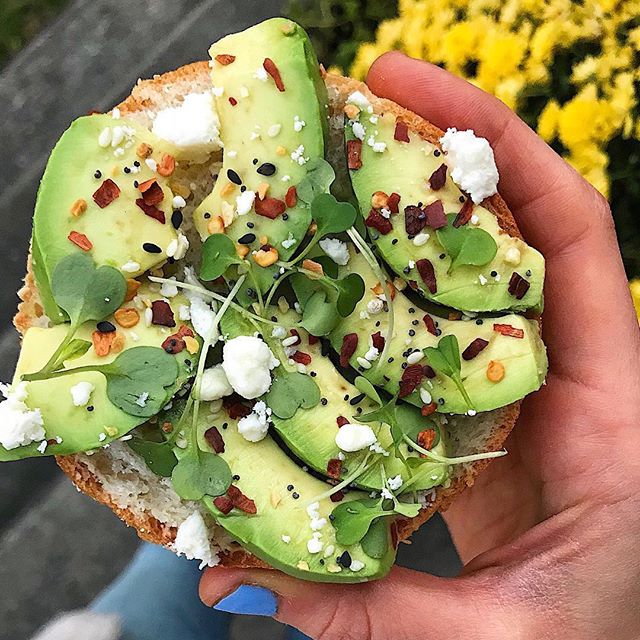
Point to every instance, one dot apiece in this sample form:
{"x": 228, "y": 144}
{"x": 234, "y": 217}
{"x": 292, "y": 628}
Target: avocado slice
{"x": 524, "y": 359}
{"x": 81, "y": 428}
{"x": 281, "y": 491}
{"x": 119, "y": 232}
{"x": 273, "y": 134}
{"x": 405, "y": 168}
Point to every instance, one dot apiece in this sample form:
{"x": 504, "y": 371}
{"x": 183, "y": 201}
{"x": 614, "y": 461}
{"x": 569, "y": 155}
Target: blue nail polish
{"x": 249, "y": 600}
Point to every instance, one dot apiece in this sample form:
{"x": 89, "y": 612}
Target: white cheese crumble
{"x": 169, "y": 290}
{"x": 201, "y": 316}
{"x": 130, "y": 267}
{"x": 394, "y": 483}
{"x": 298, "y": 124}
{"x": 360, "y": 100}
{"x": 471, "y": 162}
{"x": 152, "y": 164}
{"x": 474, "y": 220}
{"x": 356, "y": 565}
{"x": 81, "y": 392}
{"x": 482, "y": 280}
{"x": 193, "y": 125}
{"x": 358, "y": 130}
{"x": 286, "y": 539}
{"x": 375, "y": 306}
{"x": 372, "y": 354}
{"x": 354, "y": 437}
{"x": 314, "y": 545}
{"x": 298, "y": 156}
{"x": 336, "y": 249}
{"x": 192, "y": 541}
{"x": 184, "y": 313}
{"x": 248, "y": 361}
{"x": 141, "y": 400}
{"x": 512, "y": 256}
{"x": 254, "y": 427}
{"x": 19, "y": 425}
{"x": 244, "y": 202}
{"x": 178, "y": 202}
{"x": 278, "y": 332}
{"x": 261, "y": 74}
{"x": 178, "y": 248}
{"x": 289, "y": 242}
{"x": 214, "y": 384}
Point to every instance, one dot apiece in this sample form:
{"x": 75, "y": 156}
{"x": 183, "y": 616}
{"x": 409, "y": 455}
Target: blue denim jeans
{"x": 156, "y": 598}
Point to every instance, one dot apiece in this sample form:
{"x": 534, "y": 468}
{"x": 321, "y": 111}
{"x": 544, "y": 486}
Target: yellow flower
{"x": 635, "y": 294}
{"x": 548, "y": 121}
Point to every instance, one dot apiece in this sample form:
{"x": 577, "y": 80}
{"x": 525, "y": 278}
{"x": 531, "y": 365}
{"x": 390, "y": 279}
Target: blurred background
{"x": 569, "y": 68}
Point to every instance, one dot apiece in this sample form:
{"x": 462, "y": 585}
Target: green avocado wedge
{"x": 523, "y": 358}
{"x": 70, "y": 428}
{"x": 281, "y": 529}
{"x": 88, "y": 194}
{"x": 273, "y": 119}
{"x": 479, "y": 280}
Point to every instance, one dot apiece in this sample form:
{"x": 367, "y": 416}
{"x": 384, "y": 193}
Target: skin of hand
{"x": 550, "y": 535}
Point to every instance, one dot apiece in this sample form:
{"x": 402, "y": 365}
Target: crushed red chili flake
{"x": 354, "y": 154}
{"x": 427, "y": 273}
{"x": 223, "y": 504}
{"x": 401, "y": 133}
{"x": 413, "y": 284}
{"x": 80, "y": 240}
{"x": 269, "y": 207}
{"x": 151, "y": 210}
{"x": 313, "y": 339}
{"x": 518, "y": 286}
{"x": 429, "y": 322}
{"x": 428, "y": 372}
{"x": 236, "y": 409}
{"x": 213, "y": 437}
{"x": 438, "y": 178}
{"x": 337, "y": 496}
{"x": 434, "y": 213}
{"x": 474, "y": 348}
{"x": 464, "y": 215}
{"x": 426, "y": 438}
{"x": 291, "y": 197}
{"x": 348, "y": 348}
{"x": 270, "y": 67}
{"x": 162, "y": 314}
{"x": 428, "y": 409}
{"x": 175, "y": 343}
{"x": 301, "y": 357}
{"x": 377, "y": 221}
{"x": 415, "y": 220}
{"x": 341, "y": 420}
{"x": 411, "y": 377}
{"x": 334, "y": 468}
{"x": 378, "y": 341}
{"x": 106, "y": 193}
{"x": 232, "y": 101}
{"x": 393, "y": 201}
{"x": 508, "y": 330}
{"x": 151, "y": 191}
{"x": 241, "y": 501}
{"x": 224, "y": 59}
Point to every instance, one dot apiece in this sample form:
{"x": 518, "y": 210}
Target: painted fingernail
{"x": 249, "y": 600}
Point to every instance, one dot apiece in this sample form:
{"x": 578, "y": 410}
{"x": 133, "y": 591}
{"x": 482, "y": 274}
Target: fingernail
{"x": 249, "y": 600}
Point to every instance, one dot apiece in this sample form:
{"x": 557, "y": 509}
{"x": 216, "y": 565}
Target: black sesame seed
{"x": 90, "y": 407}
{"x": 251, "y": 293}
{"x": 285, "y": 216}
{"x": 98, "y": 174}
{"x": 356, "y": 399}
{"x": 233, "y": 176}
{"x": 394, "y": 241}
{"x": 528, "y": 273}
{"x": 494, "y": 274}
{"x": 378, "y": 323}
{"x": 207, "y": 215}
{"x": 236, "y": 477}
{"x": 440, "y": 401}
{"x": 136, "y": 163}
{"x": 415, "y": 323}
{"x": 127, "y": 170}
{"x": 176, "y": 219}
{"x": 247, "y": 238}
{"x": 360, "y": 369}
{"x": 289, "y": 487}
{"x": 344, "y": 560}
{"x": 479, "y": 321}
{"x": 295, "y": 495}
{"x": 136, "y": 184}
{"x": 386, "y": 378}
{"x": 255, "y": 161}
{"x": 313, "y": 374}
{"x": 410, "y": 236}
{"x": 346, "y": 397}
{"x": 321, "y": 560}
{"x": 324, "y": 402}
{"x": 225, "y": 425}
{"x": 390, "y": 360}
{"x": 250, "y": 225}
{"x": 436, "y": 152}
{"x": 461, "y": 198}
{"x": 404, "y": 365}
{"x": 243, "y": 189}
{"x": 358, "y": 410}
{"x": 105, "y": 327}
{"x": 410, "y": 449}
{"x": 442, "y": 256}
{"x": 412, "y": 332}
{"x": 332, "y": 517}
{"x": 412, "y": 309}
{"x": 149, "y": 247}
{"x": 266, "y": 169}
{"x": 375, "y": 236}
{"x": 406, "y": 270}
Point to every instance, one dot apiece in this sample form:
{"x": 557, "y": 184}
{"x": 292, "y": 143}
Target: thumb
{"x": 406, "y": 604}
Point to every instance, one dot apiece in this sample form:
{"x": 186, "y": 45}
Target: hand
{"x": 550, "y": 535}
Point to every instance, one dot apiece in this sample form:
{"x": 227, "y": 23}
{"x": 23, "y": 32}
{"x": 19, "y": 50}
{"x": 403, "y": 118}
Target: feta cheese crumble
{"x": 169, "y": 290}
{"x": 471, "y": 162}
{"x": 336, "y": 249}
{"x": 360, "y": 100}
{"x": 192, "y": 541}
{"x": 358, "y": 130}
{"x": 248, "y": 361}
{"x": 214, "y": 384}
{"x": 254, "y": 427}
{"x": 244, "y": 202}
{"x": 19, "y": 425}
{"x": 81, "y": 392}
{"x": 354, "y": 437}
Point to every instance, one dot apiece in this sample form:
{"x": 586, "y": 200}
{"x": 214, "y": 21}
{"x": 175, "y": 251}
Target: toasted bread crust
{"x": 166, "y": 89}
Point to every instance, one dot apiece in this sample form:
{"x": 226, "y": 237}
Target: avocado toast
{"x": 247, "y": 264}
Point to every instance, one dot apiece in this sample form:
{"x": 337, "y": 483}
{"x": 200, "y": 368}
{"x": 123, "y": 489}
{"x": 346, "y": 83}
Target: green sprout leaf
{"x": 218, "y": 254}
{"x": 350, "y": 292}
{"x": 200, "y": 474}
{"x": 291, "y": 391}
{"x": 376, "y": 541}
{"x": 319, "y": 315}
{"x": 407, "y": 509}
{"x": 332, "y": 216}
{"x": 158, "y": 456}
{"x": 352, "y": 519}
{"x": 75, "y": 349}
{"x": 364, "y": 386}
{"x": 320, "y": 176}
{"x": 466, "y": 245}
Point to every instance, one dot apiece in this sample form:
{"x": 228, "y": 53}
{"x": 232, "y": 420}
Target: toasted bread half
{"x": 116, "y": 477}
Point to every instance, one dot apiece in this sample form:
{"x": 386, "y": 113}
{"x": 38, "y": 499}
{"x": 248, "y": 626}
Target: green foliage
{"x": 376, "y": 541}
{"x": 158, "y": 456}
{"x": 291, "y": 391}
{"x": 466, "y": 245}
{"x": 218, "y": 254}
{"x": 332, "y": 216}
{"x": 200, "y": 474}
{"x": 320, "y": 175}
{"x": 75, "y": 349}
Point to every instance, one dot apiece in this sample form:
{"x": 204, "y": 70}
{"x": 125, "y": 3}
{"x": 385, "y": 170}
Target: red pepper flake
{"x": 377, "y": 221}
{"x": 508, "y": 330}
{"x": 224, "y": 59}
{"x": 291, "y": 197}
{"x": 106, "y": 193}
{"x": 428, "y": 372}
{"x": 464, "y": 215}
{"x": 438, "y": 178}
{"x": 518, "y": 286}
{"x": 175, "y": 343}
{"x": 435, "y": 216}
{"x": 341, "y": 420}
{"x": 337, "y": 496}
{"x": 428, "y": 409}
{"x": 334, "y": 468}
{"x": 213, "y": 437}
{"x": 411, "y": 378}
{"x": 415, "y": 220}
{"x": 239, "y": 500}
{"x": 223, "y": 504}
{"x": 413, "y": 284}
{"x": 401, "y": 133}
{"x": 232, "y": 101}
{"x": 426, "y": 439}
{"x": 80, "y": 240}
{"x": 427, "y": 273}
{"x": 348, "y": 348}
{"x": 151, "y": 191}
{"x": 236, "y": 410}
{"x": 429, "y": 322}
{"x": 270, "y": 67}
{"x": 151, "y": 210}
{"x": 474, "y": 348}
{"x": 378, "y": 341}
{"x": 393, "y": 201}
{"x": 162, "y": 314}
{"x": 354, "y": 154}
{"x": 313, "y": 339}
{"x": 269, "y": 207}
{"x": 301, "y": 357}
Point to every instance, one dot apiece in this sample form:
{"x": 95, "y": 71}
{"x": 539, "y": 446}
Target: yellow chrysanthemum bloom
{"x": 635, "y": 294}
